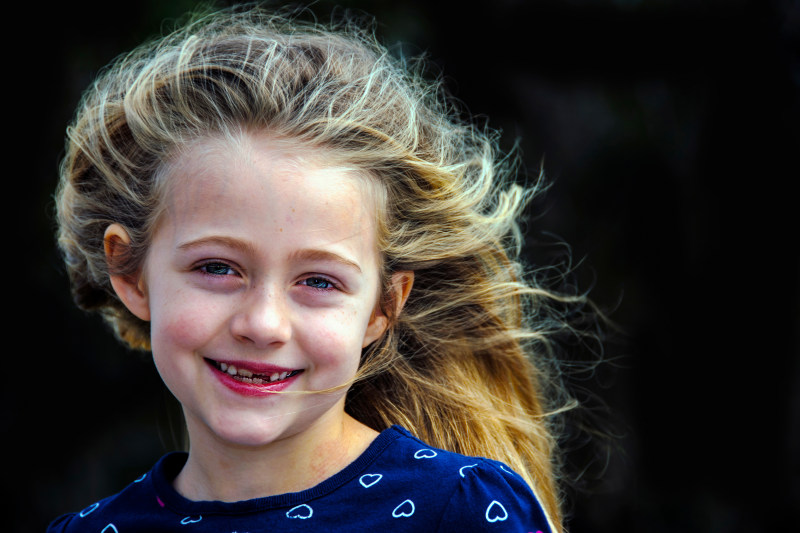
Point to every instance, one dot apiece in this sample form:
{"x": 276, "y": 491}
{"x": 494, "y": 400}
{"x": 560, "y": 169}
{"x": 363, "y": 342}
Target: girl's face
{"x": 263, "y": 276}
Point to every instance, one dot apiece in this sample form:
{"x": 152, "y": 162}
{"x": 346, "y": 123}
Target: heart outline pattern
{"x": 425, "y": 453}
{"x": 367, "y": 480}
{"x": 461, "y": 470}
{"x": 401, "y": 512}
{"x": 301, "y": 511}
{"x": 492, "y": 517}
{"x": 89, "y": 510}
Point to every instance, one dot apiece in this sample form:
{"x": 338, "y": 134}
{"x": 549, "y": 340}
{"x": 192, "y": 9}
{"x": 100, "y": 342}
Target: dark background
{"x": 670, "y": 131}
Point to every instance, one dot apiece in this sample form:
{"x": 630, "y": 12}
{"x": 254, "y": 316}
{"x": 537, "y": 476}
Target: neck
{"x": 217, "y": 471}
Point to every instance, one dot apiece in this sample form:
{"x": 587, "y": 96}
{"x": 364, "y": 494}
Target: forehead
{"x": 279, "y": 184}
{"x": 257, "y": 152}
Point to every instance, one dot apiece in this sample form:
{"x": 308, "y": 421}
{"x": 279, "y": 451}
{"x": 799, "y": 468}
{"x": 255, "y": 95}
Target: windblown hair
{"x": 465, "y": 365}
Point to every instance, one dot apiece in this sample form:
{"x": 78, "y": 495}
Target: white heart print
{"x": 425, "y": 453}
{"x": 404, "y": 510}
{"x": 461, "y": 470}
{"x": 89, "y": 509}
{"x": 496, "y": 512}
{"x": 301, "y": 511}
{"x": 367, "y": 480}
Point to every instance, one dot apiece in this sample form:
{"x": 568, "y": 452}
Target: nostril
{"x": 262, "y": 320}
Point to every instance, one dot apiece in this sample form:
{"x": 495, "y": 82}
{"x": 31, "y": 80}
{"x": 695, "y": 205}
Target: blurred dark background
{"x": 670, "y": 132}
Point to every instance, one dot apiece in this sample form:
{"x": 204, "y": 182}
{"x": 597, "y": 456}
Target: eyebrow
{"x": 229, "y": 242}
{"x": 323, "y": 255}
{"x": 310, "y": 254}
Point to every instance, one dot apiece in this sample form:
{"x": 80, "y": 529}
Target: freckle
{"x": 280, "y": 229}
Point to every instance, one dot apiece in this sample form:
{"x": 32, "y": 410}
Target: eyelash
{"x": 319, "y": 279}
{"x": 211, "y": 266}
{"x": 216, "y": 265}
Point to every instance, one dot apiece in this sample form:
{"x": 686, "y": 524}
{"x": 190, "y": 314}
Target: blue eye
{"x": 217, "y": 269}
{"x": 318, "y": 283}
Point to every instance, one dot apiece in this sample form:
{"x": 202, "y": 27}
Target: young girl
{"x": 320, "y": 257}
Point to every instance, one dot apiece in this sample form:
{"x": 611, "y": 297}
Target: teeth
{"x": 246, "y": 376}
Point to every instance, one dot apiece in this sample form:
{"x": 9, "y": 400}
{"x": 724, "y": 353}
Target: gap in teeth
{"x": 246, "y": 376}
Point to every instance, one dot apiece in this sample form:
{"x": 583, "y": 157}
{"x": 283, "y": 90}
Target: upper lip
{"x": 254, "y": 366}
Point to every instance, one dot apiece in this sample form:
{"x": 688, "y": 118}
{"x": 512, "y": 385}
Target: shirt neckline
{"x": 171, "y": 464}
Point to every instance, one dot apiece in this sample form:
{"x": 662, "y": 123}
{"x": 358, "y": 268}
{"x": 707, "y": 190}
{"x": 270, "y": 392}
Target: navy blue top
{"x": 399, "y": 482}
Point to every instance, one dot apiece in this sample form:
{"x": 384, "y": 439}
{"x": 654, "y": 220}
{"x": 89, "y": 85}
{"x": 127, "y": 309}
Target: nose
{"x": 262, "y": 319}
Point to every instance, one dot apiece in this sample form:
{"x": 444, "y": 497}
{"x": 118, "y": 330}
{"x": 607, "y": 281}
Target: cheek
{"x": 175, "y": 326}
{"x": 176, "y": 336}
{"x": 336, "y": 338}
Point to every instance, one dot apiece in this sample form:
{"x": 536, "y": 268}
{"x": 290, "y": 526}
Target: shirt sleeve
{"x": 493, "y": 498}
{"x": 60, "y": 524}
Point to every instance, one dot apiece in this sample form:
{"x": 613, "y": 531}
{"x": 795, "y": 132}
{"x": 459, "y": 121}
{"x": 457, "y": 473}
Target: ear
{"x": 401, "y": 284}
{"x": 129, "y": 288}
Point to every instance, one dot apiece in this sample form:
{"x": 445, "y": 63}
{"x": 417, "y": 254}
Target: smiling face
{"x": 263, "y": 276}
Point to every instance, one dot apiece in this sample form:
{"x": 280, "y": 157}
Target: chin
{"x": 247, "y": 438}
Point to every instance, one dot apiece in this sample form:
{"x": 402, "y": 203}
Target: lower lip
{"x": 251, "y": 389}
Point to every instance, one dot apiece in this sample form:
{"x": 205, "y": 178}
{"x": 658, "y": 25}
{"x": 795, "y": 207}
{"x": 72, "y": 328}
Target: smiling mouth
{"x": 247, "y": 376}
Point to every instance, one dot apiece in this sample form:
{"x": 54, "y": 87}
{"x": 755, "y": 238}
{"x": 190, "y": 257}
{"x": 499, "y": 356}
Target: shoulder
{"x": 136, "y": 503}
{"x": 491, "y": 497}
{"x": 469, "y": 493}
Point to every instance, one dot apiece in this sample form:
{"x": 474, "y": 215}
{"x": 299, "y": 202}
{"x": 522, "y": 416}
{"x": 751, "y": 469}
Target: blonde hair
{"x": 465, "y": 365}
